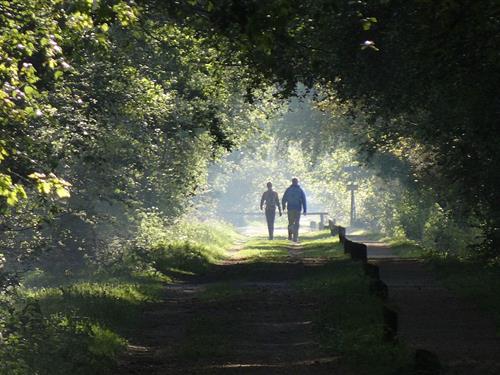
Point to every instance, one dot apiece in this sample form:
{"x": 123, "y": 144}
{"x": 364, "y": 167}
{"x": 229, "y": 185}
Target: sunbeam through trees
{"x": 137, "y": 137}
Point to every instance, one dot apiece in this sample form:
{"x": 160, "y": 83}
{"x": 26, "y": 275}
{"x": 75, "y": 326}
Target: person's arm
{"x": 262, "y": 201}
{"x": 278, "y": 200}
{"x": 284, "y": 200}
{"x": 304, "y": 204}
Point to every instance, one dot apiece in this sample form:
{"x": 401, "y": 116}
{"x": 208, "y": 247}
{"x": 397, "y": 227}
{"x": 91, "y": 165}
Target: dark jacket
{"x": 294, "y": 198}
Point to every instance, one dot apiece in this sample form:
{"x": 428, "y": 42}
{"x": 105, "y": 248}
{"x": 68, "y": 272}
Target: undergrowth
{"x": 79, "y": 323}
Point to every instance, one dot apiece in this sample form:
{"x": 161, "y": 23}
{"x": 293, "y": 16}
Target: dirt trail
{"x": 265, "y": 330}
{"x": 431, "y": 317}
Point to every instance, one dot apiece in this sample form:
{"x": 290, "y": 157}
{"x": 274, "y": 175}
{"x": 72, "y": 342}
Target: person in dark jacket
{"x": 294, "y": 200}
{"x": 271, "y": 200}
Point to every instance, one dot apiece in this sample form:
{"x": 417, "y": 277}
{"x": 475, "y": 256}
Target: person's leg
{"x": 296, "y": 227}
{"x": 270, "y": 216}
{"x": 296, "y": 219}
{"x": 290, "y": 224}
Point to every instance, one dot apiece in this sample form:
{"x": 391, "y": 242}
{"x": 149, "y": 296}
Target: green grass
{"x": 73, "y": 324}
{"x": 113, "y": 303}
{"x": 321, "y": 244}
{"x": 405, "y": 248}
{"x": 261, "y": 249}
{"x": 79, "y": 321}
{"x": 350, "y": 321}
{"x": 312, "y": 244}
{"x": 366, "y": 234}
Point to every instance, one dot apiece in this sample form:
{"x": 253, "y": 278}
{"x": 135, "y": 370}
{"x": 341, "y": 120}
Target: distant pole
{"x": 352, "y": 187}
{"x": 352, "y": 171}
{"x": 353, "y": 208}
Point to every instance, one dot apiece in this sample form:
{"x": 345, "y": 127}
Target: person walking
{"x": 271, "y": 200}
{"x": 294, "y": 200}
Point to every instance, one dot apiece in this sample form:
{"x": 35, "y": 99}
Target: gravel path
{"x": 433, "y": 318}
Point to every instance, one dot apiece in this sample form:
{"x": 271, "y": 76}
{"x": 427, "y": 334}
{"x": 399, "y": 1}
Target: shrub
{"x": 35, "y": 343}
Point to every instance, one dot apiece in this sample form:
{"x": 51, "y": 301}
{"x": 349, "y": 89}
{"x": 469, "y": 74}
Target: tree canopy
{"x": 425, "y": 74}
{"x": 123, "y": 104}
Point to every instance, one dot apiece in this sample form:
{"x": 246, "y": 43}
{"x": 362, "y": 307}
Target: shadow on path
{"x": 263, "y": 327}
{"x": 433, "y": 318}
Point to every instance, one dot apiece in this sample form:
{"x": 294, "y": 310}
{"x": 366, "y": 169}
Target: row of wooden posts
{"x": 425, "y": 362}
{"x": 358, "y": 251}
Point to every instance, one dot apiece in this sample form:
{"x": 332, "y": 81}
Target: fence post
{"x": 341, "y": 234}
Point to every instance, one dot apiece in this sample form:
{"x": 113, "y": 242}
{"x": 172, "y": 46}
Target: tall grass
{"x": 78, "y": 323}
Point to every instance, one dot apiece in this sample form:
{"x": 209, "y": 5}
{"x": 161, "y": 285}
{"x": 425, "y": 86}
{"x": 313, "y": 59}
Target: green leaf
{"x": 62, "y": 192}
{"x": 44, "y": 187}
{"x": 30, "y": 91}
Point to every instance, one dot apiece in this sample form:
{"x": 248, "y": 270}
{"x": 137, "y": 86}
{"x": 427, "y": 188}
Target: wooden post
{"x": 352, "y": 187}
{"x": 321, "y": 225}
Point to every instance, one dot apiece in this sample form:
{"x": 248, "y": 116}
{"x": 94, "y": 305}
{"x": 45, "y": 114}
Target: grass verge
{"x": 350, "y": 319}
{"x": 80, "y": 323}
{"x": 406, "y": 248}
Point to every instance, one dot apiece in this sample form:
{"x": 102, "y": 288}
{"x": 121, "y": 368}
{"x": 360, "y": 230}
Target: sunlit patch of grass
{"x": 406, "y": 248}
{"x": 185, "y": 256}
{"x": 106, "y": 343}
{"x": 114, "y": 304}
{"x": 366, "y": 234}
{"x": 350, "y": 321}
{"x": 322, "y": 245}
{"x": 261, "y": 249}
{"x": 312, "y": 244}
{"x": 37, "y": 342}
{"x": 82, "y": 320}
{"x": 315, "y": 235}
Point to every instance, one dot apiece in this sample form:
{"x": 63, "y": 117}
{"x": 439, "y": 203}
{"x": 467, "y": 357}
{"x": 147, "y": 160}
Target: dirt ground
{"x": 268, "y": 328}
{"x": 265, "y": 331}
{"x": 433, "y": 318}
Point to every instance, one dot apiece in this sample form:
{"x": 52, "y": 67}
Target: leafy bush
{"x": 189, "y": 246}
{"x": 444, "y": 234}
{"x": 36, "y": 343}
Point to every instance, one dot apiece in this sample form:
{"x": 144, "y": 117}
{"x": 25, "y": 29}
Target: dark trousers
{"x": 270, "y": 216}
{"x": 293, "y": 224}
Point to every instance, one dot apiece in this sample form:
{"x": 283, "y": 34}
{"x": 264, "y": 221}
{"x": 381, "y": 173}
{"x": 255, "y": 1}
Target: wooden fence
{"x": 359, "y": 252}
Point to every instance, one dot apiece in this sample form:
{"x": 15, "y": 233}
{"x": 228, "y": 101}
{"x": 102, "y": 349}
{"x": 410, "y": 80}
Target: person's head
{"x": 269, "y": 186}
{"x": 295, "y": 181}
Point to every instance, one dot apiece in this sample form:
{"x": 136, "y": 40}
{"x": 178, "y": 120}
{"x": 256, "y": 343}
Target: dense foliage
{"x": 424, "y": 74}
{"x": 109, "y": 117}
{"x": 107, "y": 100}
{"x": 112, "y": 110}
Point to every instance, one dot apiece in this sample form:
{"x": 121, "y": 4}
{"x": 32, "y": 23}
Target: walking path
{"x": 265, "y": 329}
{"x": 433, "y": 318}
